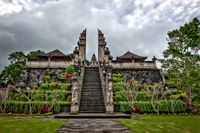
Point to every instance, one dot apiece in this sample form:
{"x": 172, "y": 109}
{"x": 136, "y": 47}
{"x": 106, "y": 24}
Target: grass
{"x": 164, "y": 124}
{"x": 32, "y": 125}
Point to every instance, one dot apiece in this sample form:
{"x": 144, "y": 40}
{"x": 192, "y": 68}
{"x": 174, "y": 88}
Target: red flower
{"x": 44, "y": 109}
{"x": 136, "y": 110}
{"x": 68, "y": 76}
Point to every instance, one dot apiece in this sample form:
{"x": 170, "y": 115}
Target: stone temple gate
{"x": 92, "y": 85}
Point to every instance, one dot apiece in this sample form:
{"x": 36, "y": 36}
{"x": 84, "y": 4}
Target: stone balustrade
{"x": 106, "y": 84}
{"x": 76, "y": 92}
{"x": 48, "y": 64}
{"x": 128, "y": 65}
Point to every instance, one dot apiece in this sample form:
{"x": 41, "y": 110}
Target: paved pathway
{"x": 93, "y": 126}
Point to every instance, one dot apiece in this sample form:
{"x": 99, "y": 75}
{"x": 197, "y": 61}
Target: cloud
{"x": 138, "y": 26}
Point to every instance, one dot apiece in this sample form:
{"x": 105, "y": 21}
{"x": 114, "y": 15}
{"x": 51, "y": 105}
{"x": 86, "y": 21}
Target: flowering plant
{"x": 44, "y": 109}
{"x": 136, "y": 110}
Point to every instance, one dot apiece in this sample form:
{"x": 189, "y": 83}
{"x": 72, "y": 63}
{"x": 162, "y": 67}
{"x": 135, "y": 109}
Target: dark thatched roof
{"x": 54, "y": 53}
{"x": 131, "y": 56}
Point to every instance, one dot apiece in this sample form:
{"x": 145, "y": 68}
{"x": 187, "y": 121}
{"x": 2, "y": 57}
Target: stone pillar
{"x": 82, "y": 46}
{"x": 76, "y": 56}
{"x": 75, "y": 96}
{"x": 101, "y": 47}
{"x": 49, "y": 61}
{"x": 109, "y": 93}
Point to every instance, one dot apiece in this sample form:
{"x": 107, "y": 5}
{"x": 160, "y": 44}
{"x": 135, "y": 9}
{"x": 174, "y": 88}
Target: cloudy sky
{"x": 139, "y": 26}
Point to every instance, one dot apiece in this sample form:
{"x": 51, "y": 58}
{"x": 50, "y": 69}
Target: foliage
{"x": 69, "y": 98}
{"x": 44, "y": 87}
{"x": 70, "y": 69}
{"x": 165, "y": 106}
{"x": 53, "y": 86}
{"x": 65, "y": 86}
{"x": 17, "y": 57}
{"x": 119, "y": 86}
{"x": 181, "y": 58}
{"x": 23, "y": 107}
{"x": 117, "y": 78}
{"x": 163, "y": 124}
{"x": 142, "y": 96}
{"x": 118, "y": 97}
{"x": 47, "y": 78}
{"x": 33, "y": 55}
{"x": 11, "y": 73}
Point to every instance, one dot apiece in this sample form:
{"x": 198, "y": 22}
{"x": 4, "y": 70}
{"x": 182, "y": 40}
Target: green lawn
{"x": 16, "y": 125}
{"x": 164, "y": 124}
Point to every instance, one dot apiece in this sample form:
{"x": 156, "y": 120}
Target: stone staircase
{"x": 92, "y": 100}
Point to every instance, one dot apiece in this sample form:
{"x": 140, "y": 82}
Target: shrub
{"x": 197, "y": 106}
{"x": 23, "y": 98}
{"x": 118, "y": 86}
{"x": 117, "y": 78}
{"x": 118, "y": 75}
{"x": 22, "y": 107}
{"x": 53, "y": 85}
{"x": 47, "y": 78}
{"x": 181, "y": 96}
{"x": 167, "y": 94}
{"x": 142, "y": 96}
{"x": 65, "y": 87}
{"x": 165, "y": 106}
{"x": 44, "y": 87}
{"x": 70, "y": 69}
{"x": 118, "y": 98}
{"x": 69, "y": 98}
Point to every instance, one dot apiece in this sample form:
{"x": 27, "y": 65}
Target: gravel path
{"x": 93, "y": 126}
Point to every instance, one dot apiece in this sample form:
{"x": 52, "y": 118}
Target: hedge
{"x": 23, "y": 107}
{"x": 40, "y": 95}
{"x": 164, "y": 106}
{"x": 54, "y": 85}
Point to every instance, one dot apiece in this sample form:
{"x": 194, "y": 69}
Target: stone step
{"x": 91, "y": 104}
{"x": 92, "y": 96}
{"x": 92, "y": 99}
{"x": 92, "y": 89}
{"x": 92, "y": 111}
{"x": 92, "y": 93}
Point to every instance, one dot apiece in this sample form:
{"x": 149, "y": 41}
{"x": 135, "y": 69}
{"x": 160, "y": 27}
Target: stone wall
{"x": 128, "y": 65}
{"x": 143, "y": 75}
{"x": 48, "y": 64}
{"x": 33, "y": 76}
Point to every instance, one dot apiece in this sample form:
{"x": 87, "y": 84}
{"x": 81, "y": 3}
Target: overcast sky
{"x": 139, "y": 26}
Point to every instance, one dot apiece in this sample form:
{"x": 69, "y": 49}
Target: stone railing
{"x": 48, "y": 64}
{"x": 106, "y": 84}
{"x": 129, "y": 65}
{"x": 76, "y": 91}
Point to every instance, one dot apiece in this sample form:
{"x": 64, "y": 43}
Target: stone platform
{"x": 93, "y": 126}
{"x": 93, "y": 115}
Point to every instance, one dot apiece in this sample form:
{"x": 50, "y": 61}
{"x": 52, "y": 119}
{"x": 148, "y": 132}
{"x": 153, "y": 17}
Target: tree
{"x": 33, "y": 55}
{"x": 182, "y": 57}
{"x": 11, "y": 73}
{"x": 17, "y": 57}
